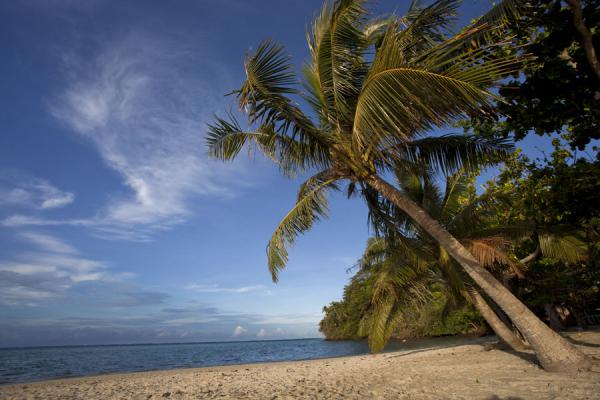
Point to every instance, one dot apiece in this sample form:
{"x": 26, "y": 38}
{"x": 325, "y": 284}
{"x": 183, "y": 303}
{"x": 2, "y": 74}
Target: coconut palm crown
{"x": 375, "y": 87}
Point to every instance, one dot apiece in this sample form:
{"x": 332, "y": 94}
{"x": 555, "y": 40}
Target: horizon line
{"x": 155, "y": 343}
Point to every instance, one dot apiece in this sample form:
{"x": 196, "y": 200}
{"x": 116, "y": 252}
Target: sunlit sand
{"x": 472, "y": 371}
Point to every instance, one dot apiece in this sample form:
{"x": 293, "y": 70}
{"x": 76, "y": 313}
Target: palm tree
{"x": 460, "y": 211}
{"x": 375, "y": 88}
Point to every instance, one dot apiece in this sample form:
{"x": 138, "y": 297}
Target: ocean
{"x": 19, "y": 365}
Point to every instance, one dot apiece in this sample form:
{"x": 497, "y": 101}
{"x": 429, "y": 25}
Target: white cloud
{"x": 23, "y": 192}
{"x": 261, "y": 333}
{"x": 138, "y": 104}
{"x": 24, "y": 220}
{"x": 239, "y": 331}
{"x": 202, "y": 288}
{"x": 49, "y": 243}
{"x": 54, "y": 198}
{"x": 48, "y": 271}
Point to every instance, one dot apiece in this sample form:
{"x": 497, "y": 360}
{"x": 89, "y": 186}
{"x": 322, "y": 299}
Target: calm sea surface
{"x": 39, "y": 363}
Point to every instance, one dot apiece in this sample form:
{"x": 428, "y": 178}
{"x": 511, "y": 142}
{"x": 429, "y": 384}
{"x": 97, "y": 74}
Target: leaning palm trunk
{"x": 501, "y": 330}
{"x": 371, "y": 109}
{"x": 553, "y": 351}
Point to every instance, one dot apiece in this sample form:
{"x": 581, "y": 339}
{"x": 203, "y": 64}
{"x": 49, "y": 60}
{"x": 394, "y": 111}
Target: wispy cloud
{"x": 48, "y": 271}
{"x": 143, "y": 102}
{"x": 203, "y": 288}
{"x": 23, "y": 192}
{"x": 49, "y": 243}
{"x": 18, "y": 220}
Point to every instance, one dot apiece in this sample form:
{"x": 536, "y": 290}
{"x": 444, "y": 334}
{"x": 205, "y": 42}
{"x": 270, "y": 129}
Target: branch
{"x": 586, "y": 35}
{"x": 536, "y": 253}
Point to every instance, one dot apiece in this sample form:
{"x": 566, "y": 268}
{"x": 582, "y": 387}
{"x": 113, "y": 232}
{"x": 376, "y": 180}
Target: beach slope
{"x": 470, "y": 371}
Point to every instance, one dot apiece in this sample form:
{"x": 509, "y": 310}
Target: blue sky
{"x": 114, "y": 225}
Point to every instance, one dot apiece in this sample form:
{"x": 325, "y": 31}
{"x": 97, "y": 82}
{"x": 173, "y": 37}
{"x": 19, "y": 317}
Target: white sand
{"x": 462, "y": 372}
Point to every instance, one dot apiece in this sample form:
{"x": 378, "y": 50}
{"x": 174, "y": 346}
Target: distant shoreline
{"x": 55, "y": 346}
{"x": 459, "y": 371}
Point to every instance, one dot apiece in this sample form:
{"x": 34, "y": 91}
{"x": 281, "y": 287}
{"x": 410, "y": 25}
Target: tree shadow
{"x": 582, "y": 343}
{"x": 529, "y": 357}
{"x": 408, "y": 353}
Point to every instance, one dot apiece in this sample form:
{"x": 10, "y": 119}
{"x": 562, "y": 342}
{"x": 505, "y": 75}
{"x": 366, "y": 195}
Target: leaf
{"x": 489, "y": 251}
{"x": 310, "y": 207}
{"x": 269, "y": 80}
{"x": 337, "y": 43}
{"x": 397, "y": 104}
{"x": 225, "y": 139}
{"x": 567, "y": 248}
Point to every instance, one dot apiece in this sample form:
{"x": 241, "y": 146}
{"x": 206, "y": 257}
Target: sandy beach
{"x": 472, "y": 371}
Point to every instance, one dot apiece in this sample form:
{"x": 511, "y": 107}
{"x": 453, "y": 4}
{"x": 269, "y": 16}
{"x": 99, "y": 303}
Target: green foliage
{"x": 554, "y": 191}
{"x": 559, "y": 91}
{"x": 343, "y": 319}
{"x": 557, "y": 200}
{"x": 549, "y": 281}
{"x": 411, "y": 286}
{"x": 530, "y": 204}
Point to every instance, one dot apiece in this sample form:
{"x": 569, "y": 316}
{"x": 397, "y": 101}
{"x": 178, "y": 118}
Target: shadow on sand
{"x": 582, "y": 343}
{"x": 528, "y": 357}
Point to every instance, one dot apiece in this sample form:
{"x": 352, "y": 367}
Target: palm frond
{"x": 566, "y": 247}
{"x": 226, "y": 138}
{"x": 456, "y": 287}
{"x": 473, "y": 218}
{"x": 404, "y": 38}
{"x": 374, "y": 29}
{"x": 466, "y": 57}
{"x": 389, "y": 300}
{"x": 421, "y": 188}
{"x": 504, "y": 12}
{"x": 315, "y": 97}
{"x": 264, "y": 94}
{"x": 460, "y": 188}
{"x": 403, "y": 96}
{"x": 400, "y": 103}
{"x": 513, "y": 231}
{"x": 337, "y": 43}
{"x": 490, "y": 250}
{"x": 310, "y": 207}
{"x": 452, "y": 153}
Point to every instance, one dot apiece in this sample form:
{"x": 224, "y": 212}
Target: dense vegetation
{"x": 342, "y": 319}
{"x": 553, "y": 200}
